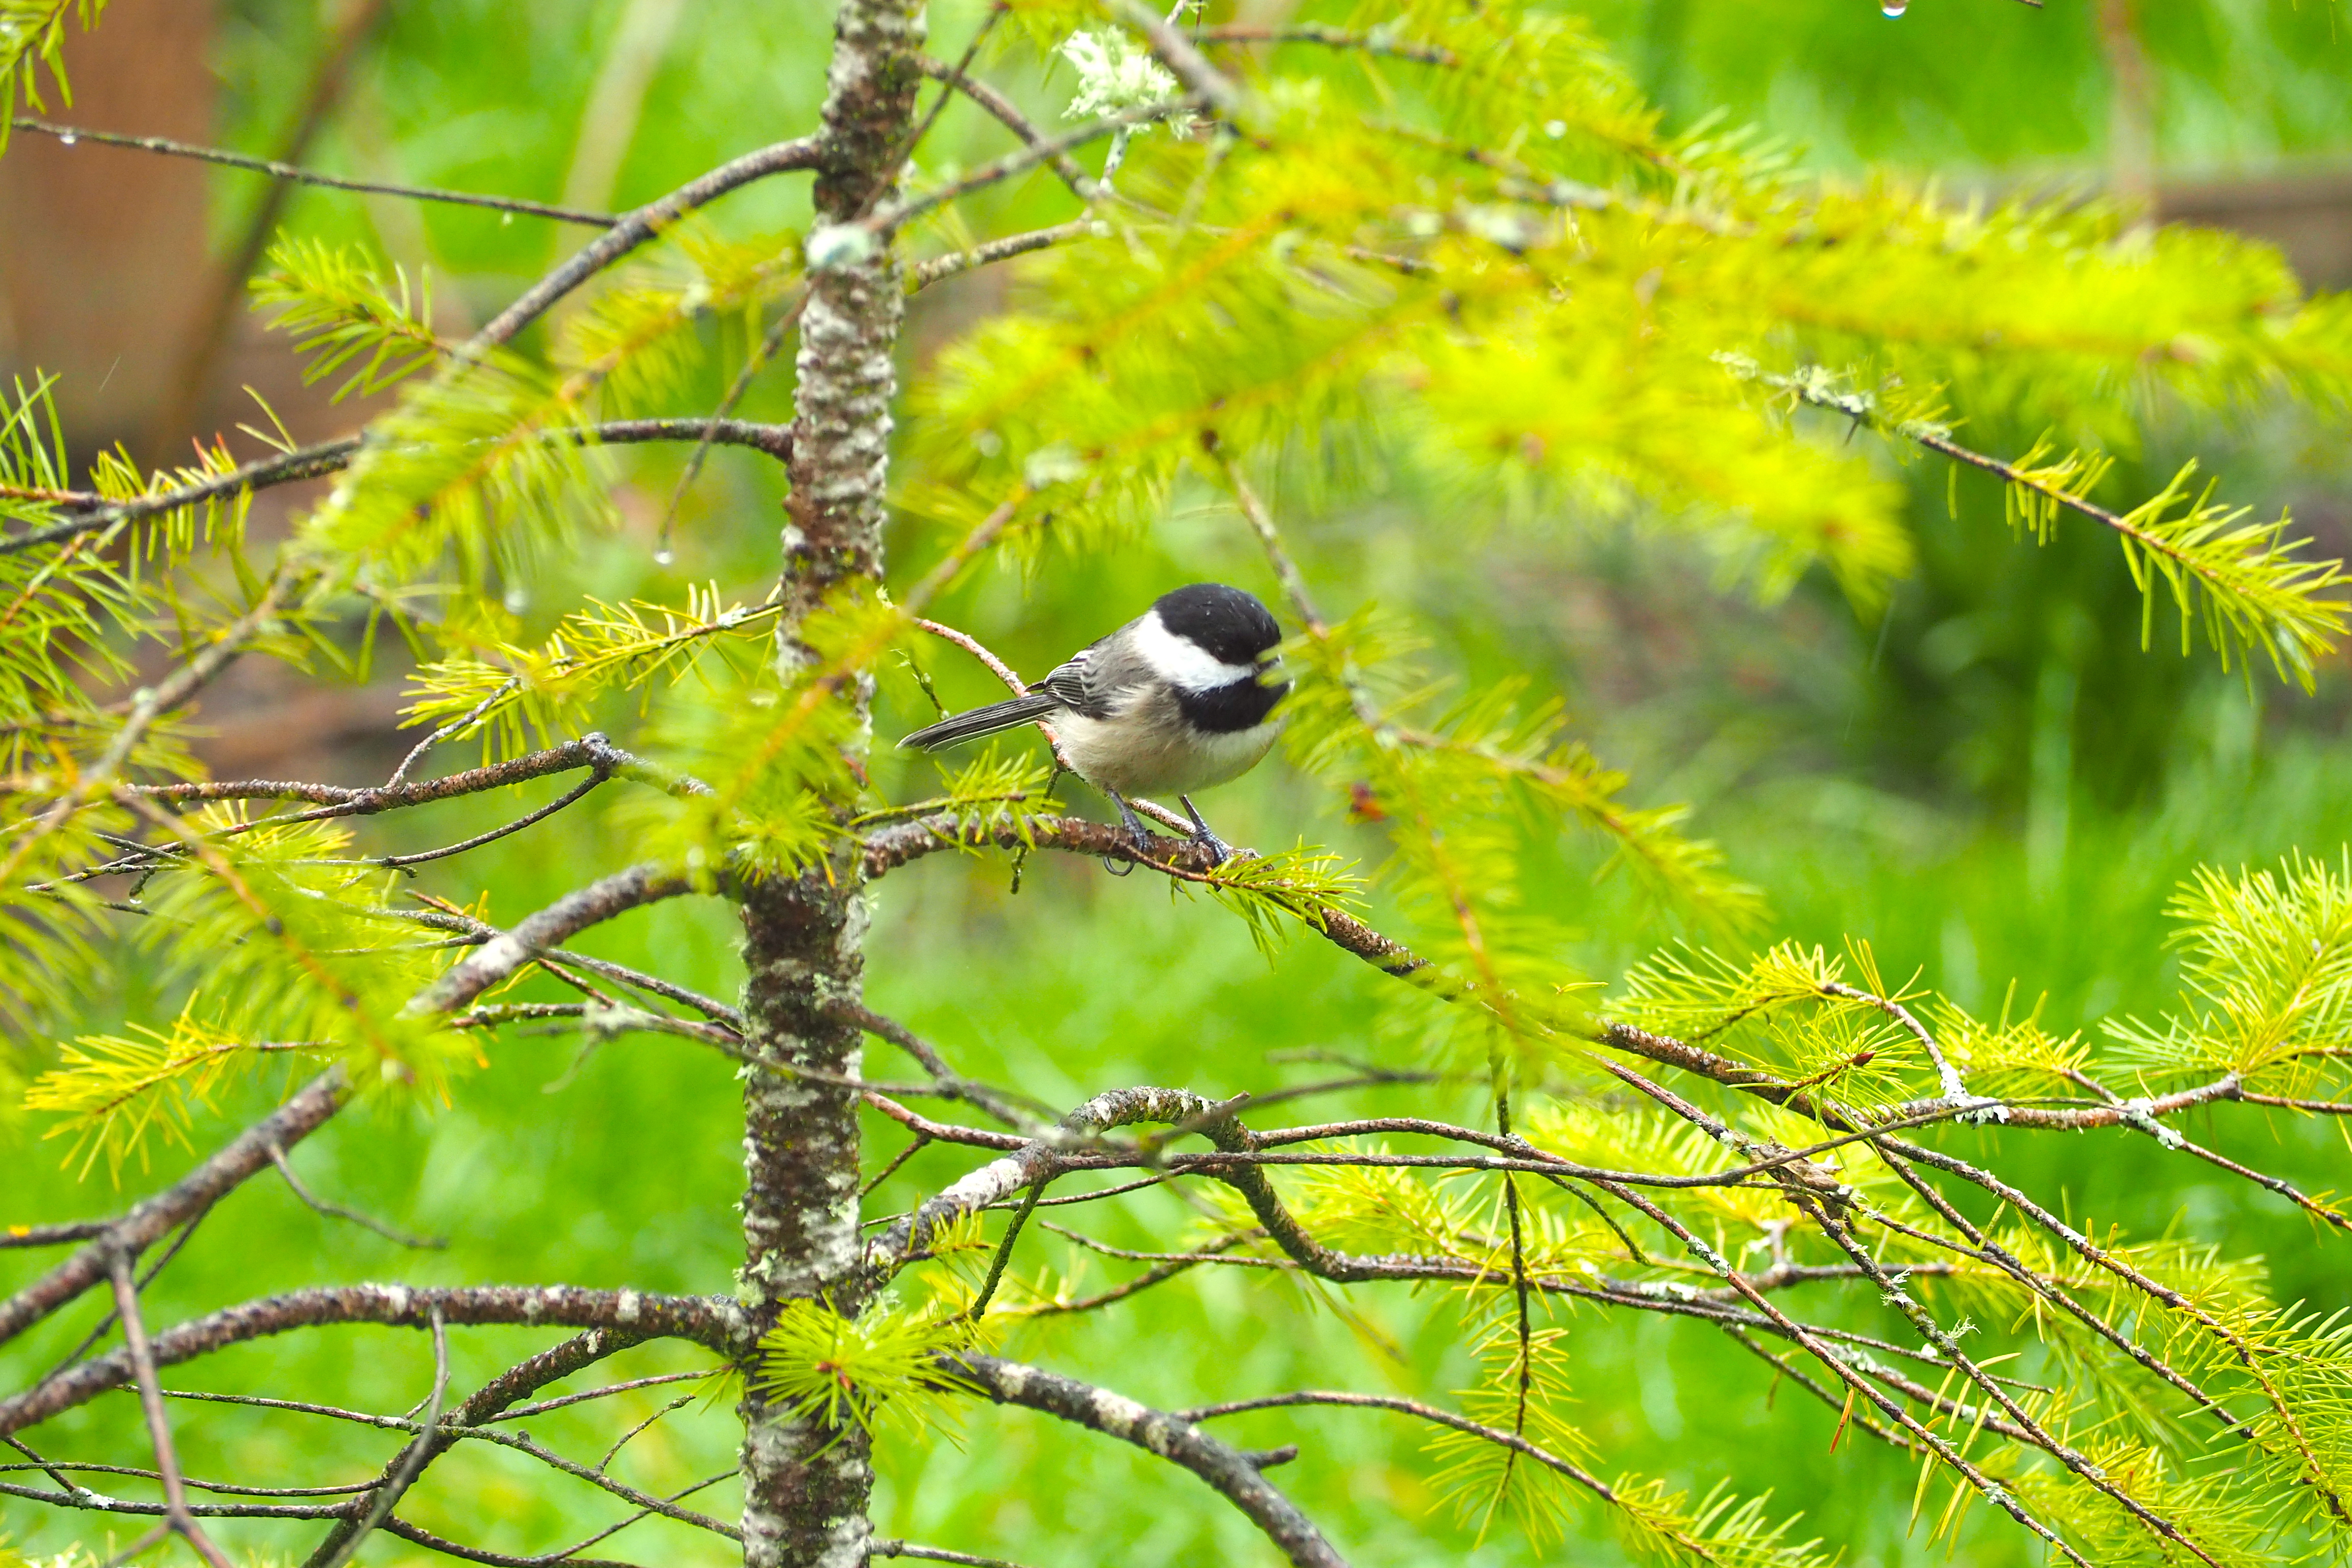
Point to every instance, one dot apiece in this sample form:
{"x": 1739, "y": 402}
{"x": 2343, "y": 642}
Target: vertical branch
{"x": 177, "y": 1519}
{"x": 805, "y": 1483}
{"x": 1526, "y": 1370}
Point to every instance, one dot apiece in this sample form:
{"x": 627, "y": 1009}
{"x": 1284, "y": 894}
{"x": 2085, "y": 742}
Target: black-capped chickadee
{"x": 1179, "y": 699}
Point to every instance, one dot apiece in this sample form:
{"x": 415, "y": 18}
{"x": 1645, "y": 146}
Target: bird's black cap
{"x": 1230, "y": 626}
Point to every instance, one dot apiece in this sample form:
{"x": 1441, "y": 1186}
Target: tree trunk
{"x": 805, "y": 1484}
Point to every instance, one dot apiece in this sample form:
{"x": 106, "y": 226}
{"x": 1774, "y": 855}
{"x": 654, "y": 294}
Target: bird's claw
{"x": 1204, "y": 838}
{"x": 1140, "y": 840}
{"x": 1215, "y": 849}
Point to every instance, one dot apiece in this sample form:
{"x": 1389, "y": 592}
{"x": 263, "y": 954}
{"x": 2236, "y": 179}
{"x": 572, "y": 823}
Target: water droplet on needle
{"x": 68, "y": 139}
{"x": 1892, "y": 7}
{"x": 664, "y": 557}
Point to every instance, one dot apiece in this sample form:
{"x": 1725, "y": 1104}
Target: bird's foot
{"x": 1204, "y": 838}
{"x": 1135, "y": 833}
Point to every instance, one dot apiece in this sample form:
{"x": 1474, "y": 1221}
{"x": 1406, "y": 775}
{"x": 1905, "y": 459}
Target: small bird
{"x": 1181, "y": 698}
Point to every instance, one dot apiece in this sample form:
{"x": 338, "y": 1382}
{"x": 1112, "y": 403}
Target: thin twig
{"x": 996, "y": 1265}
{"x": 72, "y": 135}
{"x": 934, "y": 1554}
{"x": 680, "y": 1403}
{"x": 523, "y": 1412}
{"x": 337, "y": 1211}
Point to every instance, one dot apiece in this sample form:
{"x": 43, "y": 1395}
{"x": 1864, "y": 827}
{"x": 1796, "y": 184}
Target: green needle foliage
{"x": 32, "y": 39}
{"x": 1427, "y": 259}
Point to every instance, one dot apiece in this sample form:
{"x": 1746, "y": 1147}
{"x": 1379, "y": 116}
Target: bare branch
{"x": 569, "y": 798}
{"x": 524, "y": 1412}
{"x": 547, "y": 929}
{"x": 1168, "y": 1437}
{"x": 72, "y": 135}
{"x": 52, "y": 1235}
{"x": 1494, "y": 1434}
{"x": 894, "y": 215}
{"x": 923, "y": 274}
{"x": 714, "y": 1321}
{"x": 1007, "y": 113}
{"x": 900, "y": 844}
{"x": 998, "y": 1104}
{"x": 177, "y": 1519}
{"x": 621, "y": 1442}
{"x": 418, "y": 1535}
{"x": 1176, "y": 53}
{"x": 337, "y": 1211}
{"x": 634, "y": 228}
{"x": 52, "y": 1468}
{"x": 933, "y": 1554}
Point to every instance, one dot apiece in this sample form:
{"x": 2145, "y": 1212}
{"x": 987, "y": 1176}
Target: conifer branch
{"x": 1986, "y": 1487}
{"x": 2248, "y": 1356}
{"x": 73, "y": 135}
{"x": 148, "y": 705}
{"x": 2315, "y": 1473}
{"x": 1891, "y": 1290}
{"x": 1954, "y": 1089}
{"x": 33, "y": 35}
{"x": 333, "y": 457}
{"x": 2257, "y": 593}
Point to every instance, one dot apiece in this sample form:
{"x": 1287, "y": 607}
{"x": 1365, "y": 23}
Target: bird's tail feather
{"x": 992, "y": 719}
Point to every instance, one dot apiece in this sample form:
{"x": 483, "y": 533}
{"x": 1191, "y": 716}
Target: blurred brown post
{"x": 103, "y": 254}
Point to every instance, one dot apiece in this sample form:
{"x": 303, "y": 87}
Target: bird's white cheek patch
{"x": 1183, "y": 662}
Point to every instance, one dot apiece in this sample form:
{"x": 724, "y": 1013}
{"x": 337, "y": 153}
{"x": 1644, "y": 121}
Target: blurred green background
{"x": 1990, "y": 780}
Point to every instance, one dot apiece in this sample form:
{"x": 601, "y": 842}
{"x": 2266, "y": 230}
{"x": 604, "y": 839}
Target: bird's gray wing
{"x": 1096, "y": 681}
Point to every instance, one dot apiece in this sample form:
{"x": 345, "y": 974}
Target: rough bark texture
{"x": 805, "y": 1485}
